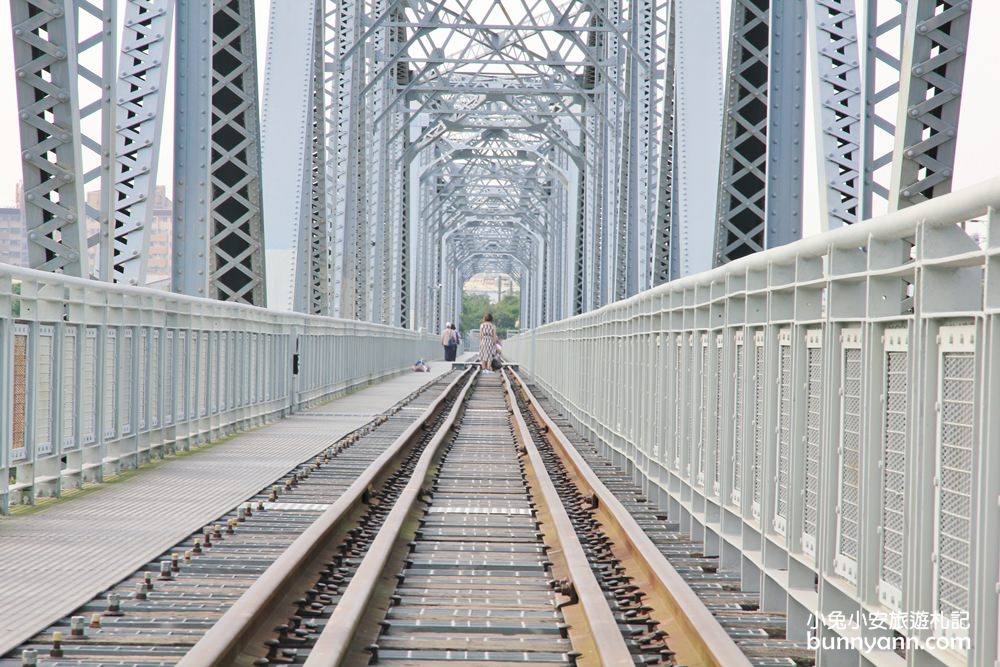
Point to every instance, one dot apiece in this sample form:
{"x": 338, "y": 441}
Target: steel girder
{"x": 142, "y": 79}
{"x": 760, "y": 173}
{"x": 883, "y": 48}
{"x": 515, "y": 108}
{"x": 936, "y": 35}
{"x": 97, "y": 51}
{"x": 217, "y": 248}
{"x": 45, "y": 53}
{"x": 839, "y": 121}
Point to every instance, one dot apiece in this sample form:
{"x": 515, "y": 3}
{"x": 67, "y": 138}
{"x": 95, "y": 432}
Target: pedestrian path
{"x": 54, "y": 560}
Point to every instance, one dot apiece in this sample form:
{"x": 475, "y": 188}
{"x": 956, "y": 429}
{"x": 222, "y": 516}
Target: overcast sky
{"x": 978, "y": 143}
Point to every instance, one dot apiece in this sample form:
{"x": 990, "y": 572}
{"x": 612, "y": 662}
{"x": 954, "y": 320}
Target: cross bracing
{"x": 576, "y": 140}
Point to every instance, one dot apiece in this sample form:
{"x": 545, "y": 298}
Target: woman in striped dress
{"x": 487, "y": 341}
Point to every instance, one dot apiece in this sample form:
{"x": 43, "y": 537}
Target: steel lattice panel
{"x": 758, "y": 425}
{"x": 814, "y": 421}
{"x": 69, "y": 386}
{"x": 894, "y": 475}
{"x": 738, "y": 423}
{"x": 90, "y": 367}
{"x": 848, "y": 478}
{"x": 955, "y": 475}
{"x": 784, "y": 432}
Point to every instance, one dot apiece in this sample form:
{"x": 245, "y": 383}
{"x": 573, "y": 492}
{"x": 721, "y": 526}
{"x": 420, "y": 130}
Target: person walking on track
{"x": 449, "y": 339}
{"x": 487, "y": 342}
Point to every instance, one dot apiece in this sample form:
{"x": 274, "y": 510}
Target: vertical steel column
{"x": 698, "y": 128}
{"x": 236, "y": 262}
{"x": 312, "y": 280}
{"x": 664, "y": 268}
{"x": 192, "y": 144}
{"x": 97, "y": 158}
{"x": 142, "y": 78}
{"x": 936, "y": 36}
{"x": 759, "y": 202}
{"x": 45, "y": 60}
{"x": 837, "y": 111}
{"x": 289, "y": 150}
{"x": 883, "y": 50}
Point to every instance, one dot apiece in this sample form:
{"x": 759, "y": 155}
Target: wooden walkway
{"x": 56, "y": 559}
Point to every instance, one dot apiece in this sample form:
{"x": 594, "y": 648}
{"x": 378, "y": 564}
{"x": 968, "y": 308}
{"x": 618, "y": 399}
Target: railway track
{"x": 460, "y": 529}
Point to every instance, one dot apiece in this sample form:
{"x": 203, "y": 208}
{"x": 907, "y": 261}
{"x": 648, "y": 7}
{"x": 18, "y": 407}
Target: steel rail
{"x": 231, "y": 639}
{"x": 696, "y": 635}
{"x": 333, "y": 644}
{"x": 602, "y": 632}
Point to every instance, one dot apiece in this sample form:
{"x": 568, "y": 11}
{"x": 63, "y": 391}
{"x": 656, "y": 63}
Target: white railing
{"x": 96, "y": 378}
{"x": 825, "y": 416}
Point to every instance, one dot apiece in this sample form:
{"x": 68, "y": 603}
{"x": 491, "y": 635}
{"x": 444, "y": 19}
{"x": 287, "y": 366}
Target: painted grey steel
{"x": 854, "y": 410}
{"x": 760, "y": 171}
{"x": 45, "y": 54}
{"x": 217, "y": 248}
{"x": 698, "y": 120}
{"x": 97, "y": 52}
{"x": 236, "y": 262}
{"x": 836, "y": 81}
{"x": 99, "y": 378}
{"x": 437, "y": 118}
{"x": 192, "y": 149}
{"x": 140, "y": 92}
{"x": 935, "y": 41}
{"x": 287, "y": 135}
{"x": 883, "y": 49}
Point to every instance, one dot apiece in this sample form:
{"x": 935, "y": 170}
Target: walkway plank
{"x": 55, "y": 560}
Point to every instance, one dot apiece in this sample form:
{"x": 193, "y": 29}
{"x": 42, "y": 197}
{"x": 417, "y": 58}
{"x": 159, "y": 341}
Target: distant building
{"x": 13, "y": 238}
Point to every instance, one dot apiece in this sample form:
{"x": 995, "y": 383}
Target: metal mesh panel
{"x": 894, "y": 469}
{"x": 125, "y": 395}
{"x": 43, "y": 394}
{"x": 110, "y": 366}
{"x": 814, "y": 382}
{"x": 223, "y": 370}
{"x": 850, "y": 444}
{"x": 143, "y": 376}
{"x": 88, "y": 418}
{"x": 268, "y": 344}
{"x": 182, "y": 375}
{"x": 955, "y": 481}
{"x": 69, "y": 389}
{"x": 784, "y": 435}
{"x": 20, "y": 397}
{"x": 739, "y": 429}
{"x": 703, "y": 420}
{"x": 203, "y": 375}
{"x": 759, "y": 391}
{"x": 168, "y": 379}
{"x": 217, "y": 383}
{"x": 673, "y": 455}
{"x": 194, "y": 369}
{"x": 253, "y": 369}
{"x": 154, "y": 379}
{"x": 716, "y": 471}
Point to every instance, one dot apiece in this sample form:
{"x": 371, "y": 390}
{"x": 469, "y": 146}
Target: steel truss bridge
{"x": 822, "y": 413}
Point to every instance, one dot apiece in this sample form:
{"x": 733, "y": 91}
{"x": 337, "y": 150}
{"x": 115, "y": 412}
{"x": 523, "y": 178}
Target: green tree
{"x": 505, "y": 313}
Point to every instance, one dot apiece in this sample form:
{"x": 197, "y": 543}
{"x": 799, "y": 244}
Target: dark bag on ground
{"x": 495, "y": 364}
